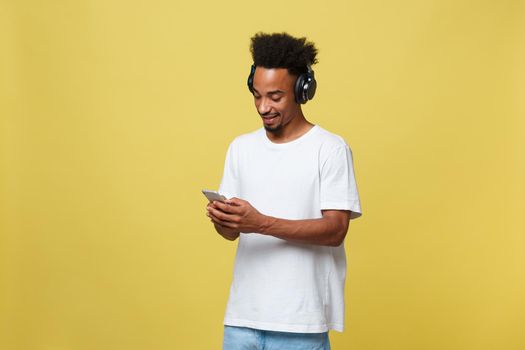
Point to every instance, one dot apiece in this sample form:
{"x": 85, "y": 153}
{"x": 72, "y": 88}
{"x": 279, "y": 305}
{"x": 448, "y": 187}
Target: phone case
{"x": 213, "y": 196}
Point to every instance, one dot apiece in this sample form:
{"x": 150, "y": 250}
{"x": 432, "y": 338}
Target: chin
{"x": 273, "y": 129}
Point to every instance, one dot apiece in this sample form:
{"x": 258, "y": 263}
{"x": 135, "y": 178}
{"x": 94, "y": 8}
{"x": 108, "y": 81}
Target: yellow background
{"x": 114, "y": 115}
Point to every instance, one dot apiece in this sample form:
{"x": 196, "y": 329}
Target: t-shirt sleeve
{"x": 338, "y": 184}
{"x": 229, "y": 183}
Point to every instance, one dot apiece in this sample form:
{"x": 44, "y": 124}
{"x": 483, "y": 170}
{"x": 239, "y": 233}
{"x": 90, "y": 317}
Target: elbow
{"x": 336, "y": 242}
{"x": 337, "y": 238}
{"x": 338, "y": 223}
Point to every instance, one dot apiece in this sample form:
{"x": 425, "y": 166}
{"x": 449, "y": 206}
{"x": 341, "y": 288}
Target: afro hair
{"x": 281, "y": 50}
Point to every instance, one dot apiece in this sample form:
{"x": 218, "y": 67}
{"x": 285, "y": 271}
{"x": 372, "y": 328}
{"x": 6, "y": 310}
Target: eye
{"x": 276, "y": 99}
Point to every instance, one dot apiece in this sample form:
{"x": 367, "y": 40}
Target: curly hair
{"x": 281, "y": 50}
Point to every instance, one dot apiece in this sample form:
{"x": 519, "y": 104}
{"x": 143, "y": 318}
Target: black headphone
{"x": 304, "y": 89}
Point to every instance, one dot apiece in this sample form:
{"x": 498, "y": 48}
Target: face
{"x": 273, "y": 92}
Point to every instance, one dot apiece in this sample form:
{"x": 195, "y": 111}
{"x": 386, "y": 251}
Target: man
{"x": 292, "y": 194}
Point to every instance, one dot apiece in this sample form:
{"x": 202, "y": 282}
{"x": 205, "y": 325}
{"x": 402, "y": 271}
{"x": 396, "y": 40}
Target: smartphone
{"x": 213, "y": 196}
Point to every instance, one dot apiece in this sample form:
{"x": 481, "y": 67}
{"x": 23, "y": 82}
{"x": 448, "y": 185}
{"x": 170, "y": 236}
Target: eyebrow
{"x": 271, "y": 92}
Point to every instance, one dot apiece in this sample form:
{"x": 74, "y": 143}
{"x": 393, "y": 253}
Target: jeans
{"x": 242, "y": 338}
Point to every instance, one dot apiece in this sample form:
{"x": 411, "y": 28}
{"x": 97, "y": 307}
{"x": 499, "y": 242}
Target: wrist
{"x": 266, "y": 223}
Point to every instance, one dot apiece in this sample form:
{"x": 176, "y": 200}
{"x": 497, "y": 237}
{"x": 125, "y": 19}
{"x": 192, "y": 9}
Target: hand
{"x": 236, "y": 214}
{"x": 228, "y": 233}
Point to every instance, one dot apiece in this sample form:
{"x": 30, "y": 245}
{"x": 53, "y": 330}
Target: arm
{"x": 239, "y": 215}
{"x": 330, "y": 230}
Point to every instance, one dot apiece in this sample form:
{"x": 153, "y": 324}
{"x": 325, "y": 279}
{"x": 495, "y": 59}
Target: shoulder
{"x": 246, "y": 140}
{"x": 330, "y": 142}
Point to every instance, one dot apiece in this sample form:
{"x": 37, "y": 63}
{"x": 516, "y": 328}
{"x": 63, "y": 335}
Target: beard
{"x": 273, "y": 129}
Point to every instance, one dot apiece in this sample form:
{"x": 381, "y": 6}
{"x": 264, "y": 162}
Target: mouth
{"x": 270, "y": 118}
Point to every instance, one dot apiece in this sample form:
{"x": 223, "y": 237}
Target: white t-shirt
{"x": 280, "y": 285}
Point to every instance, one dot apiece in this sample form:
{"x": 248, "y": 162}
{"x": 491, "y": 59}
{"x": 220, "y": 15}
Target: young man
{"x": 292, "y": 194}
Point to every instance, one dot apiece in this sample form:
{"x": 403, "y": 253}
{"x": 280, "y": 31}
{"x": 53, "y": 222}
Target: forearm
{"x": 324, "y": 231}
{"x": 237, "y": 215}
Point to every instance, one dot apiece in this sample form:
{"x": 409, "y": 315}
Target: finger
{"x": 234, "y": 201}
{"x": 220, "y": 222}
{"x": 229, "y": 225}
{"x": 212, "y": 204}
{"x": 227, "y": 208}
{"x": 212, "y": 217}
{"x": 223, "y": 216}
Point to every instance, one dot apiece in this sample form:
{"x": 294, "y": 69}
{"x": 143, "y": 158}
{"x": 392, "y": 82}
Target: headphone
{"x": 304, "y": 89}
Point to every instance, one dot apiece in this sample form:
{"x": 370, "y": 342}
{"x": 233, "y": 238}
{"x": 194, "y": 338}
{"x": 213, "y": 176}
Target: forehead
{"x": 271, "y": 79}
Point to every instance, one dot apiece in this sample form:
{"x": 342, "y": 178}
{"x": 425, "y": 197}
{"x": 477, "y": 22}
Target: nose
{"x": 264, "y": 106}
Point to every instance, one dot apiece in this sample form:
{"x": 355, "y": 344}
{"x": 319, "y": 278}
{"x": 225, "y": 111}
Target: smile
{"x": 269, "y": 120}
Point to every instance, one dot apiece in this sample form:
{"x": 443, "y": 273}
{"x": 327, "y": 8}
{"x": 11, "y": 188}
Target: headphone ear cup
{"x": 305, "y": 87}
{"x": 312, "y": 85}
{"x": 299, "y": 89}
{"x": 250, "y": 78}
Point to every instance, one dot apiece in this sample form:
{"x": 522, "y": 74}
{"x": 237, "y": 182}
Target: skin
{"x": 274, "y": 97}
